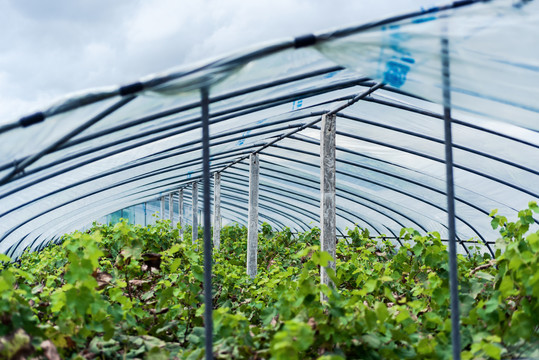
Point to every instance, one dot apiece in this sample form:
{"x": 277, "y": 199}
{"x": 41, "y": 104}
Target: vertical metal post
{"x": 180, "y": 212}
{"x": 252, "y": 230}
{"x": 208, "y": 324}
{"x": 453, "y": 275}
{"x": 217, "y": 210}
{"x": 171, "y": 209}
{"x": 328, "y": 215}
{"x": 162, "y": 214}
{"x": 194, "y": 232}
{"x": 145, "y": 213}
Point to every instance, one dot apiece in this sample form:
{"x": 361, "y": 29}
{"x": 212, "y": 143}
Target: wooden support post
{"x": 180, "y": 212}
{"x": 171, "y": 209}
{"x": 217, "y": 211}
{"x": 252, "y": 230}
{"x": 327, "y": 195}
{"x": 162, "y": 214}
{"x": 194, "y": 193}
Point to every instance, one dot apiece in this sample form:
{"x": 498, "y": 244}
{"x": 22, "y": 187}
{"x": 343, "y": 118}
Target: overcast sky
{"x": 51, "y": 48}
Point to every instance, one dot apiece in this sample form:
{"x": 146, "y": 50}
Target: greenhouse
{"x": 415, "y": 129}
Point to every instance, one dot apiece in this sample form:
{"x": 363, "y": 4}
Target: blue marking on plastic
{"x": 242, "y": 141}
{"x": 408, "y": 60}
{"x": 396, "y": 48}
{"x": 189, "y": 174}
{"x": 398, "y": 36}
{"x": 331, "y": 74}
{"x": 395, "y": 59}
{"x": 395, "y": 74}
{"x": 297, "y": 104}
{"x": 425, "y": 19}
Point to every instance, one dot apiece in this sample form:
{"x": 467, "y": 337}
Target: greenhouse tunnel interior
{"x": 427, "y": 121}
{"x": 117, "y": 151}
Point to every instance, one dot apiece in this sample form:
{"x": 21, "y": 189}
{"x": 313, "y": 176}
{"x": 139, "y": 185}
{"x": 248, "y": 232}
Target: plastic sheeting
{"x": 117, "y": 148}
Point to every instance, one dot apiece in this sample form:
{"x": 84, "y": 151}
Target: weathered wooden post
{"x": 162, "y": 214}
{"x": 327, "y": 195}
{"x": 194, "y": 232}
{"x": 171, "y": 209}
{"x": 180, "y": 212}
{"x": 252, "y": 230}
{"x": 217, "y": 211}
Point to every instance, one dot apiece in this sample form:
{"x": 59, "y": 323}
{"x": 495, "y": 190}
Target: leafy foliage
{"x": 127, "y": 291}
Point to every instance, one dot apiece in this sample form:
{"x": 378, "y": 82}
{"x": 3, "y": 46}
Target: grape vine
{"x": 125, "y": 291}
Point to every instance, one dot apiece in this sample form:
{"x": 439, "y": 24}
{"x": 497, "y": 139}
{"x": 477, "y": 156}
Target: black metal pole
{"x": 305, "y": 126}
{"x": 453, "y": 271}
{"x": 65, "y": 138}
{"x": 208, "y": 321}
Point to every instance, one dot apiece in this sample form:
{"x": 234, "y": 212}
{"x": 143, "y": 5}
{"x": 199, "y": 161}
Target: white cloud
{"x": 48, "y": 49}
{"x": 155, "y": 21}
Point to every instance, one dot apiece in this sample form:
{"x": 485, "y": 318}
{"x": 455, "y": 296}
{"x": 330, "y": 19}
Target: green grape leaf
{"x": 175, "y": 265}
{"x": 321, "y": 258}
